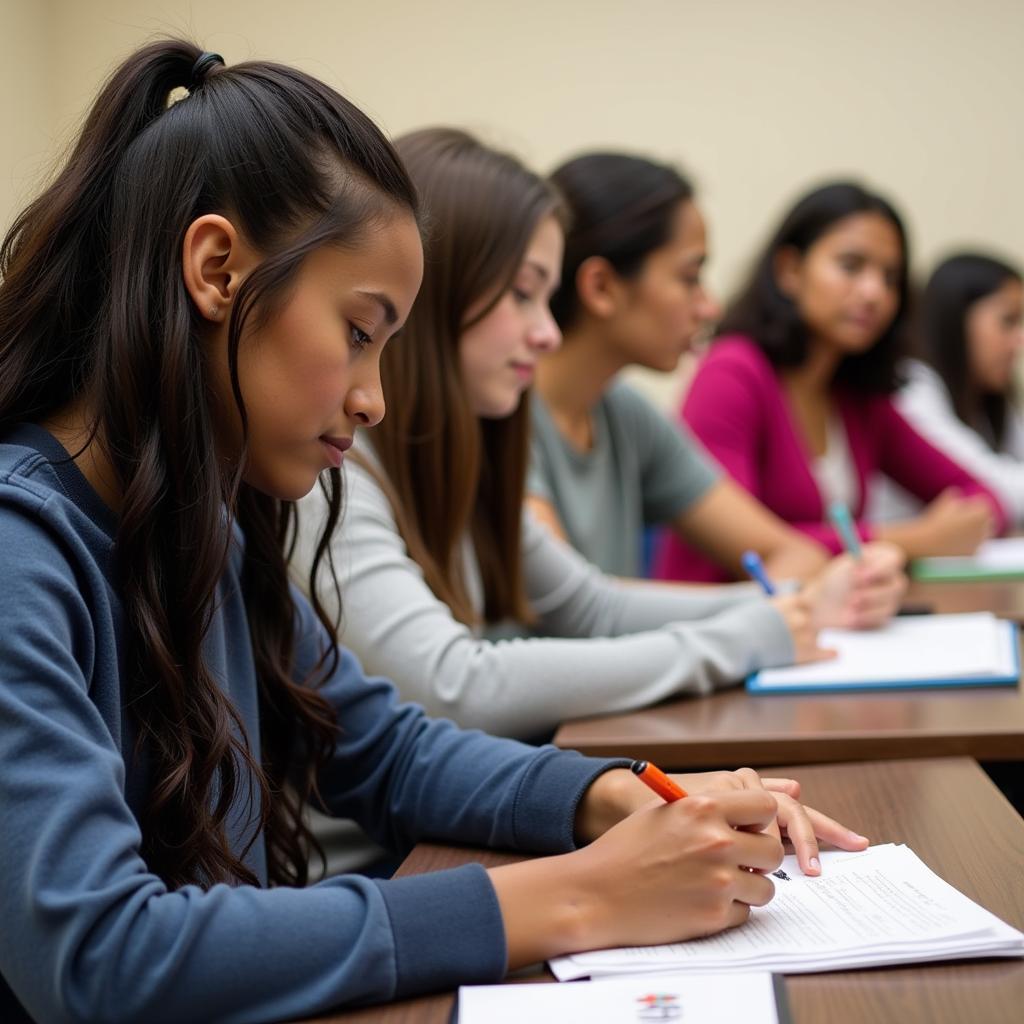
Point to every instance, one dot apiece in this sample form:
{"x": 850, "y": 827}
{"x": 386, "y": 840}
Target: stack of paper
{"x": 882, "y": 906}
{"x": 995, "y": 559}
{"x": 931, "y": 650}
{"x": 665, "y": 997}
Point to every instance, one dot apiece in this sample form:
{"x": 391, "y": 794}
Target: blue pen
{"x": 843, "y": 522}
{"x": 751, "y": 562}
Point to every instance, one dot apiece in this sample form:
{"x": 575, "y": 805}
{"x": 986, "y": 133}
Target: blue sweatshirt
{"x": 89, "y": 933}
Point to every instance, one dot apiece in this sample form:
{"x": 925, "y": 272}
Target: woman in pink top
{"x": 794, "y": 398}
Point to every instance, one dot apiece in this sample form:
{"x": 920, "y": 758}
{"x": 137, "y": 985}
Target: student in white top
{"x": 475, "y": 612}
{"x": 961, "y": 394}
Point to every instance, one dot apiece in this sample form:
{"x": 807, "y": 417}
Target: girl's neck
{"x": 72, "y": 426}
{"x": 572, "y": 379}
{"x": 815, "y": 374}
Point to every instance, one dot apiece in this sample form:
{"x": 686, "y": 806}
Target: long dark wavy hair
{"x": 448, "y": 472}
{"x": 955, "y": 285}
{"x": 764, "y": 313}
{"x": 620, "y": 208}
{"x": 94, "y": 309}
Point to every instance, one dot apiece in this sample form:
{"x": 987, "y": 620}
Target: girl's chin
{"x": 499, "y": 407}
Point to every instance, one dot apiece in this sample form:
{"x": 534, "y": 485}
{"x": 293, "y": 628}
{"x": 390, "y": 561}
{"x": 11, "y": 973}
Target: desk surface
{"x": 1004, "y": 598}
{"x": 734, "y": 728}
{"x": 949, "y": 814}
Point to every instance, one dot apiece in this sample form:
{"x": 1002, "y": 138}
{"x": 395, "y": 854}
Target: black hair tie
{"x": 203, "y": 63}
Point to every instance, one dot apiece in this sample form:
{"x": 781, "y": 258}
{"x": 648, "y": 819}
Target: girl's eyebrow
{"x": 390, "y": 313}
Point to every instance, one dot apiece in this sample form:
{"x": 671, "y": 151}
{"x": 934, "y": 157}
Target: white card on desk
{"x": 693, "y": 998}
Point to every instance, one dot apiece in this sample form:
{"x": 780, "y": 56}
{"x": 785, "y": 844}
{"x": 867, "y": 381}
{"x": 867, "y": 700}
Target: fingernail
{"x": 813, "y": 864}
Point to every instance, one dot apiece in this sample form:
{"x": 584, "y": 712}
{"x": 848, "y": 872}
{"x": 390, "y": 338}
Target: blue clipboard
{"x": 754, "y": 684}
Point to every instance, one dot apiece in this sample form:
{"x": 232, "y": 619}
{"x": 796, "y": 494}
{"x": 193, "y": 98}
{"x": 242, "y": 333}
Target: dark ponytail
{"x": 621, "y": 209}
{"x": 93, "y": 309}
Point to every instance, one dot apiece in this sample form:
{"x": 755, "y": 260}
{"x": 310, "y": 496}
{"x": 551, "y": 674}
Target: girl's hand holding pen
{"x": 798, "y": 614}
{"x": 861, "y": 592}
{"x": 657, "y": 871}
{"x": 795, "y": 609}
{"x": 672, "y": 871}
{"x": 619, "y": 793}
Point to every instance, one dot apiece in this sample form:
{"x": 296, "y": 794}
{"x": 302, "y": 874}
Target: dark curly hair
{"x": 93, "y": 306}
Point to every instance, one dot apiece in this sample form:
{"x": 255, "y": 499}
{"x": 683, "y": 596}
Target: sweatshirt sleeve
{"x": 91, "y": 934}
{"x": 614, "y": 646}
{"x": 406, "y": 777}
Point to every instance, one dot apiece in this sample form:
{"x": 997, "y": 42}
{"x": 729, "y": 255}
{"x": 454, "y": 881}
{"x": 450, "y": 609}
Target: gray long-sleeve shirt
{"x": 607, "y": 646}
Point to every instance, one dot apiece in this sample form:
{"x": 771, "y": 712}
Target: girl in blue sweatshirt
{"x": 191, "y": 318}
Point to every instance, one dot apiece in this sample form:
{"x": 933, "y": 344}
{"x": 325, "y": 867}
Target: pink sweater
{"x": 736, "y": 406}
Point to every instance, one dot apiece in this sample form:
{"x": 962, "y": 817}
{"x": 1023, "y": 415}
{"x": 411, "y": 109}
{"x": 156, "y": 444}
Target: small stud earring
{"x": 213, "y": 311}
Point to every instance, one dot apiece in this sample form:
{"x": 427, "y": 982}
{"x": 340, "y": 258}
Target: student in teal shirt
{"x": 191, "y": 318}
{"x": 606, "y": 464}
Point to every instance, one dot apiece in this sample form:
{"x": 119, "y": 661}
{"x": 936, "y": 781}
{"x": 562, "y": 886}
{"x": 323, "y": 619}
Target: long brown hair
{"x": 448, "y": 471}
{"x": 93, "y": 309}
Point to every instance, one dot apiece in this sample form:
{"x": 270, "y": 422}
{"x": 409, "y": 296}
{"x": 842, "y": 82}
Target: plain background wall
{"x": 756, "y": 99}
{"x": 27, "y": 110}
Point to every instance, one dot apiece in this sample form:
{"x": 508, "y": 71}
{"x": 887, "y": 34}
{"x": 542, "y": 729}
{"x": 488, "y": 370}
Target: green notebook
{"x": 1001, "y": 559}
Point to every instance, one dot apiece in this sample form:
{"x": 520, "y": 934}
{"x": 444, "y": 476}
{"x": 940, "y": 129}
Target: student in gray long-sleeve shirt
{"x": 436, "y": 560}
{"x": 167, "y": 701}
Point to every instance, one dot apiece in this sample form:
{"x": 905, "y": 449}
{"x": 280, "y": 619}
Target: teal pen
{"x": 751, "y": 562}
{"x": 843, "y": 522}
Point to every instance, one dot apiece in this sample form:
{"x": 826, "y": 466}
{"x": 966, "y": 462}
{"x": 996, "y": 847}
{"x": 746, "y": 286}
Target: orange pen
{"x": 657, "y": 780}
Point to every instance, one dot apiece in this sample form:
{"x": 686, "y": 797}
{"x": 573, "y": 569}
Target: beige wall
{"x": 758, "y": 98}
{"x": 27, "y": 122}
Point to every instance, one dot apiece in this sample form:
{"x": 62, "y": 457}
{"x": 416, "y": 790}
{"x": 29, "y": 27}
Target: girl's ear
{"x": 598, "y": 287}
{"x": 786, "y": 265}
{"x": 215, "y": 260}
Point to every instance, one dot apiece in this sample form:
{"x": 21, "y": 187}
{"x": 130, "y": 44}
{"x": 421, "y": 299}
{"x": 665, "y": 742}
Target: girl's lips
{"x": 524, "y": 371}
{"x": 865, "y": 321}
{"x": 335, "y": 448}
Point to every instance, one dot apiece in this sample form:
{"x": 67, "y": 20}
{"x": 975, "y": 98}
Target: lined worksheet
{"x": 881, "y": 906}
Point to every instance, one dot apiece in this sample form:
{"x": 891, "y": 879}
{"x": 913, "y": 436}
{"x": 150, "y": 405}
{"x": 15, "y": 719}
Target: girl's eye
{"x": 360, "y": 338}
{"x": 521, "y": 296}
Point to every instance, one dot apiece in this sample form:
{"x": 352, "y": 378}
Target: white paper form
{"x": 882, "y": 906}
{"x": 913, "y": 648}
{"x": 1004, "y": 554}
{"x": 662, "y": 997}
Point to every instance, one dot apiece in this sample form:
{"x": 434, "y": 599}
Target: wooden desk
{"x": 1004, "y": 598}
{"x": 950, "y": 815}
{"x": 734, "y": 728}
